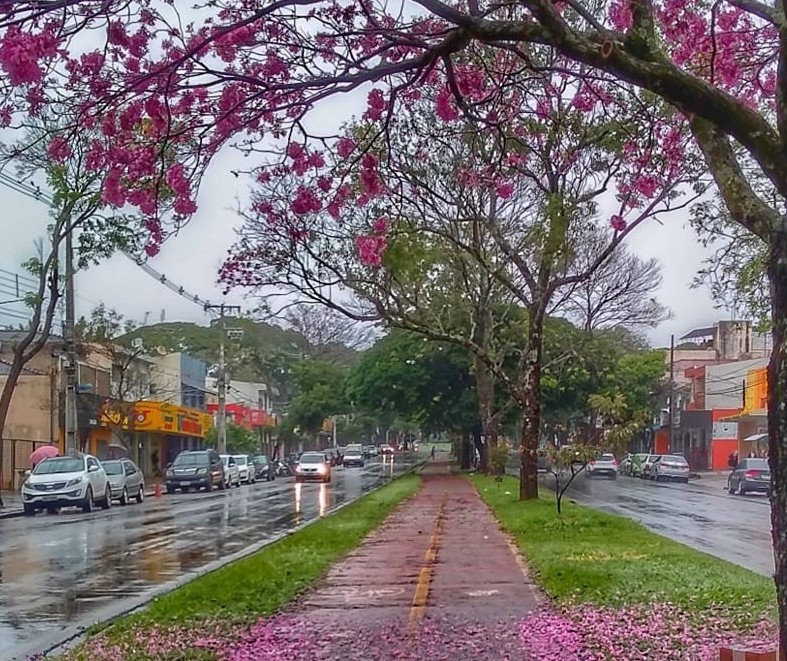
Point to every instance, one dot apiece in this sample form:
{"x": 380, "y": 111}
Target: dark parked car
{"x": 264, "y": 467}
{"x": 750, "y": 475}
{"x": 200, "y": 469}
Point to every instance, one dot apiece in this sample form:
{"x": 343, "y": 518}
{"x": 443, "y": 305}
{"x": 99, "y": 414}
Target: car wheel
{"x": 614, "y": 476}
{"x": 209, "y": 485}
{"x": 87, "y": 506}
{"x": 170, "y": 489}
{"x": 29, "y": 510}
{"x": 185, "y": 489}
{"x": 741, "y": 490}
{"x": 141, "y": 494}
{"x": 685, "y": 480}
{"x": 106, "y": 502}
{"x": 124, "y": 497}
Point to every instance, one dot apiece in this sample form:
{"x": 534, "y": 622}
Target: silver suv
{"x": 69, "y": 481}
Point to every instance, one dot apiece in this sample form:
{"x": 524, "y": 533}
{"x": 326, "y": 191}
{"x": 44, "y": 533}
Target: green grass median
{"x": 266, "y": 581}
{"x": 587, "y": 556}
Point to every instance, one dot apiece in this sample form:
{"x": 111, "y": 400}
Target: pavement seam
{"x": 426, "y": 573}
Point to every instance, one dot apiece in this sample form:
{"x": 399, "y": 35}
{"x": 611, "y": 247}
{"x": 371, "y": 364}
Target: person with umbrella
{"x": 44, "y": 452}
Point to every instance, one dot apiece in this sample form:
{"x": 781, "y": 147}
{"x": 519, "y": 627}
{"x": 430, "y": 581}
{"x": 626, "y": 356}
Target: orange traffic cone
{"x": 157, "y": 491}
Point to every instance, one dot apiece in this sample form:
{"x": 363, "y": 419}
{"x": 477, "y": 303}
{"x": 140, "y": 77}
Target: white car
{"x": 231, "y": 472}
{"x": 69, "y": 481}
{"x": 605, "y": 464}
{"x": 670, "y": 467}
{"x": 246, "y": 470}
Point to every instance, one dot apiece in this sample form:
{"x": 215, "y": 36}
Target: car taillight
{"x": 593, "y": 462}
{"x": 614, "y": 462}
{"x": 752, "y": 473}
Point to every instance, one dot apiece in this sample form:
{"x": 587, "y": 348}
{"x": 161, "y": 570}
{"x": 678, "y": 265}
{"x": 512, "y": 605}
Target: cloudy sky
{"x": 192, "y": 258}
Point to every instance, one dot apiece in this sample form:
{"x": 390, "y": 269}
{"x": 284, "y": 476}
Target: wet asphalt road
{"x": 702, "y": 516}
{"x": 60, "y": 569}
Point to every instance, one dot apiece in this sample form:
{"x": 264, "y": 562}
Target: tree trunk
{"x": 530, "y": 404}
{"x": 464, "y": 451}
{"x": 490, "y": 423}
{"x": 777, "y": 425}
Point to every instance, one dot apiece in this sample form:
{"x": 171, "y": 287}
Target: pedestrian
{"x": 433, "y": 453}
{"x": 752, "y": 454}
{"x": 732, "y": 460}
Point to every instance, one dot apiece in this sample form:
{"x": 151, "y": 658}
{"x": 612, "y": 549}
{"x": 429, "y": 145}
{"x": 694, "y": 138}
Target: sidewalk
{"x": 437, "y": 580}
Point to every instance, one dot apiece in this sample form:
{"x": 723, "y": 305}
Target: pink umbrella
{"x": 42, "y": 453}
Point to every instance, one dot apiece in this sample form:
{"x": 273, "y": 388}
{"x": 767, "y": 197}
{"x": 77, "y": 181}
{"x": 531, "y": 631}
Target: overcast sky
{"x": 192, "y": 258}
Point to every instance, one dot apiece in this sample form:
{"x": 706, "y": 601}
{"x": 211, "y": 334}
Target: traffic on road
{"x": 67, "y": 567}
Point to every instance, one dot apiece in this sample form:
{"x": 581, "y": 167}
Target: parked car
{"x": 604, "y": 465}
{"x": 313, "y": 466}
{"x": 670, "y": 467}
{"x": 246, "y": 471}
{"x": 68, "y": 481}
{"x": 126, "y": 480}
{"x": 751, "y": 475}
{"x": 637, "y": 464}
{"x": 264, "y": 468}
{"x": 201, "y": 469}
{"x": 231, "y": 471}
{"x": 353, "y": 457}
{"x": 647, "y": 465}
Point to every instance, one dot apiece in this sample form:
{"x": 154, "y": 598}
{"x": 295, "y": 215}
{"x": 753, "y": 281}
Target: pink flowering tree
{"x": 229, "y": 69}
{"x": 440, "y": 224}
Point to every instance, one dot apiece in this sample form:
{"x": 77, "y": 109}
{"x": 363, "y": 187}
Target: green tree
{"x": 239, "y": 440}
{"x": 320, "y": 394}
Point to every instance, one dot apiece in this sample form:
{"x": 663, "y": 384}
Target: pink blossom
{"x": 504, "y": 189}
{"x": 371, "y": 249}
{"x": 445, "y": 107}
{"x": 305, "y": 202}
{"x": 618, "y": 223}
{"x": 21, "y": 52}
{"x": 375, "y": 105}
{"x": 59, "y": 149}
{"x": 345, "y": 146}
{"x": 380, "y": 225}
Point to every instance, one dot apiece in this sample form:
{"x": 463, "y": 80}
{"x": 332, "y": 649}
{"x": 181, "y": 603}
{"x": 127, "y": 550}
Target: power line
{"x": 34, "y": 192}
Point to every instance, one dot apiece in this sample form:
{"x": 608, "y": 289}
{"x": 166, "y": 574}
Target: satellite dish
{"x": 161, "y": 351}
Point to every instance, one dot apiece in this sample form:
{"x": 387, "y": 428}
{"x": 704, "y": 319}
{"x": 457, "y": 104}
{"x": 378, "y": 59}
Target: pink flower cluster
{"x": 653, "y": 631}
{"x": 21, "y": 53}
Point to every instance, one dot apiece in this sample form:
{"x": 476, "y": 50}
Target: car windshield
{"x": 312, "y": 458}
{"x": 607, "y": 457}
{"x": 759, "y": 464}
{"x": 351, "y": 452}
{"x": 673, "y": 459}
{"x": 113, "y": 467}
{"x": 59, "y": 465}
{"x": 241, "y": 460}
{"x": 260, "y": 459}
{"x": 191, "y": 459}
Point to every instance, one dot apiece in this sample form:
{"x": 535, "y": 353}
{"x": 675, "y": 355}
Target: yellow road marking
{"x": 427, "y": 570}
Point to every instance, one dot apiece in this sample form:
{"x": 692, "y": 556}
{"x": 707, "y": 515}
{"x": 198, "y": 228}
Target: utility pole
{"x": 334, "y": 430}
{"x": 221, "y": 426}
{"x": 70, "y": 400}
{"x": 672, "y": 393}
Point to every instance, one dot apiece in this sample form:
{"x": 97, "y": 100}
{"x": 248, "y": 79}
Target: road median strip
{"x": 618, "y": 591}
{"x": 238, "y": 595}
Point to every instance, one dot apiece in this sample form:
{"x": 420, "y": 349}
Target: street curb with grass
{"x": 70, "y": 636}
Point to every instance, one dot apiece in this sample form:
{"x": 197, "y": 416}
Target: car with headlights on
{"x": 68, "y": 481}
{"x": 125, "y": 480}
{"x": 198, "y": 469}
{"x": 313, "y": 467}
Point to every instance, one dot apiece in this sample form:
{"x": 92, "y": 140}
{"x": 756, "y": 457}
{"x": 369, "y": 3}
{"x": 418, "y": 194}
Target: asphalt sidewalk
{"x": 438, "y": 579}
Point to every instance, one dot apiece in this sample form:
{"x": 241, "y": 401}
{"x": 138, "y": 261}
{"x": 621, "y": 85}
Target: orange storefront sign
{"x": 163, "y": 418}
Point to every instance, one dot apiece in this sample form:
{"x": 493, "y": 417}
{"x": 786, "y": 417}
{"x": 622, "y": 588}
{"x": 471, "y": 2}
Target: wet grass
{"x": 585, "y": 555}
{"x": 263, "y": 583}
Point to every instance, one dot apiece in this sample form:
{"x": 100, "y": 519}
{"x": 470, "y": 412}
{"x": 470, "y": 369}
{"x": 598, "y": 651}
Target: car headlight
{"x": 74, "y": 482}
{"x": 170, "y": 473}
{"x": 321, "y": 469}
{"x": 202, "y": 471}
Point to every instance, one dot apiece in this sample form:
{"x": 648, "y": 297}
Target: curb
{"x": 62, "y": 640}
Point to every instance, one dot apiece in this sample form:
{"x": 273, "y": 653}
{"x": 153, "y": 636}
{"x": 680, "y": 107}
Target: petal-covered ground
{"x": 643, "y": 632}
{"x": 582, "y": 633}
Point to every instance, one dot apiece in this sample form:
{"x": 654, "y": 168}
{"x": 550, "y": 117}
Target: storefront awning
{"x": 755, "y": 438}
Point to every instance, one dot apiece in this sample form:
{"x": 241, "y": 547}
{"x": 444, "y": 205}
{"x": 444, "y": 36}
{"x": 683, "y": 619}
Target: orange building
{"x": 753, "y": 417}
